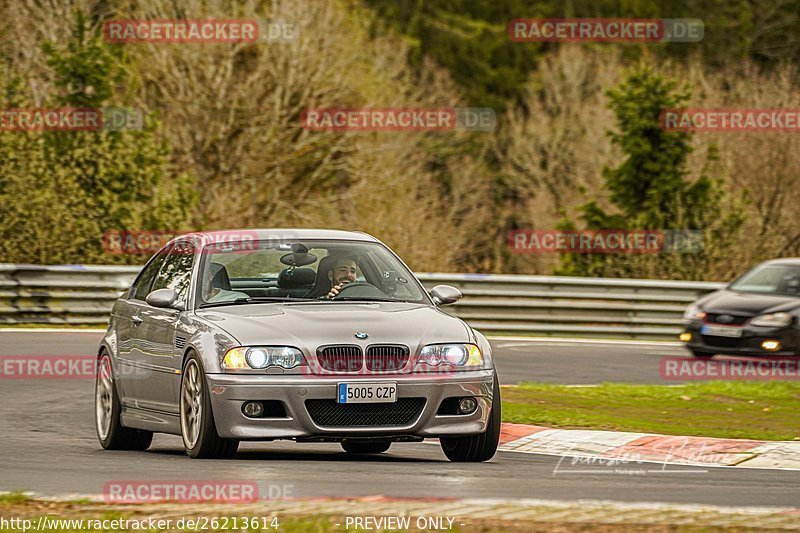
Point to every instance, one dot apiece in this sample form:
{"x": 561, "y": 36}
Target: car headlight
{"x": 244, "y": 357}
{"x": 459, "y": 356}
{"x": 772, "y": 320}
{"x": 693, "y": 312}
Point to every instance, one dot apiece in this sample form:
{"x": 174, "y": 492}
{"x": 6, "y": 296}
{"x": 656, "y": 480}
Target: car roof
{"x": 790, "y": 261}
{"x": 208, "y": 237}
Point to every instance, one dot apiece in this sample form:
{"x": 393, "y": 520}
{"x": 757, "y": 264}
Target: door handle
{"x": 136, "y": 319}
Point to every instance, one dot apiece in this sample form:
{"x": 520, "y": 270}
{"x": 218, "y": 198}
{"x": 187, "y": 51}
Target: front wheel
{"x": 481, "y": 447}
{"x": 200, "y": 437}
{"x": 110, "y": 431}
{"x": 354, "y": 446}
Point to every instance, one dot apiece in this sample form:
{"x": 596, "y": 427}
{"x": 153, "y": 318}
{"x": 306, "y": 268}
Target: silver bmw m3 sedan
{"x": 311, "y": 335}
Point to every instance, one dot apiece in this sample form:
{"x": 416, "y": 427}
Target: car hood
{"x": 309, "y": 325}
{"x": 747, "y": 303}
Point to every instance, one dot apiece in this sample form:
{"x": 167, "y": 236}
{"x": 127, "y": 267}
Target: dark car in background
{"x": 756, "y": 315}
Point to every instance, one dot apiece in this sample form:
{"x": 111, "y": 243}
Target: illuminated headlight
{"x": 693, "y": 312}
{"x": 773, "y": 320}
{"x": 243, "y": 357}
{"x": 771, "y": 345}
{"x": 452, "y": 355}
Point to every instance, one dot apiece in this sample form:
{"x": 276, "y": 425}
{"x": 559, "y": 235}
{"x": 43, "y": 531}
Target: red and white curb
{"x": 624, "y": 447}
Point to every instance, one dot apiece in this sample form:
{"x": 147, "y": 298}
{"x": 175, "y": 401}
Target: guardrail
{"x": 495, "y": 304}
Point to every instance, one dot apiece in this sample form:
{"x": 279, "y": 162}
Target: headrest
{"x": 219, "y": 277}
{"x": 295, "y": 278}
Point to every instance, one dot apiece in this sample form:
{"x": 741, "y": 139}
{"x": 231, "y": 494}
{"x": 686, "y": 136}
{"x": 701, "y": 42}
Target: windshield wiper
{"x": 254, "y": 300}
{"x": 368, "y": 299}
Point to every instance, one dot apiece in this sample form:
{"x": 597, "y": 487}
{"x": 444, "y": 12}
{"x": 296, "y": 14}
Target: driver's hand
{"x": 335, "y": 290}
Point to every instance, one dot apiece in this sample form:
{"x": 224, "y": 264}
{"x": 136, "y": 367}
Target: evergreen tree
{"x": 60, "y": 191}
{"x": 650, "y": 190}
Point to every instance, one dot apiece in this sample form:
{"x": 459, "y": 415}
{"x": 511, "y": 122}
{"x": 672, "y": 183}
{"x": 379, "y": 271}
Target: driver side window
{"x": 176, "y": 270}
{"x": 142, "y": 285}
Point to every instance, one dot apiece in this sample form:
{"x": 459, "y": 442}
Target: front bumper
{"x": 749, "y": 344}
{"x": 230, "y": 391}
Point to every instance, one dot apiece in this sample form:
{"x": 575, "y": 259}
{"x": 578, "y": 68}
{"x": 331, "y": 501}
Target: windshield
{"x": 308, "y": 270}
{"x": 770, "y": 279}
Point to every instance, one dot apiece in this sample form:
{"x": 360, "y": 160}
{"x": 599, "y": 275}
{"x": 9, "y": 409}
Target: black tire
{"x": 114, "y": 436}
{"x": 697, "y": 354}
{"x": 207, "y": 444}
{"x": 481, "y": 447}
{"x": 354, "y": 446}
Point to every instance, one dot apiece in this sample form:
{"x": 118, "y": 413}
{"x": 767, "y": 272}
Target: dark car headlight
{"x": 772, "y": 320}
{"x": 457, "y": 356}
{"x": 257, "y": 357}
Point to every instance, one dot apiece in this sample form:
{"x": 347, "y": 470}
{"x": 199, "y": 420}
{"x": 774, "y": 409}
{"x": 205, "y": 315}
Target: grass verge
{"x": 317, "y": 516}
{"x": 724, "y": 409}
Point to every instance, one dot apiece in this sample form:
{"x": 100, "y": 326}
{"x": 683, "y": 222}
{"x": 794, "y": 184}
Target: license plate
{"x": 367, "y": 392}
{"x": 721, "y": 331}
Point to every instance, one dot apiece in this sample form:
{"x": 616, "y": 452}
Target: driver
{"x": 343, "y": 271}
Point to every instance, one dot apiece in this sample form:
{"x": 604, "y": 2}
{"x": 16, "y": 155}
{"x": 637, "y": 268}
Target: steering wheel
{"x": 360, "y": 289}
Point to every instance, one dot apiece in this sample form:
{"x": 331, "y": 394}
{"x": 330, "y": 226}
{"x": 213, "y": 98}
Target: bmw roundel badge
{"x": 361, "y": 335}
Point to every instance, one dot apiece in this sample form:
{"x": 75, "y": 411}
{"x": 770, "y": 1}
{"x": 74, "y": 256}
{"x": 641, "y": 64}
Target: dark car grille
{"x": 735, "y": 320}
{"x": 721, "y": 342}
{"x": 328, "y": 413}
{"x": 346, "y": 358}
{"x": 386, "y": 358}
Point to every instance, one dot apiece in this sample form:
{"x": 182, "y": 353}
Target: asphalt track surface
{"x": 48, "y": 444}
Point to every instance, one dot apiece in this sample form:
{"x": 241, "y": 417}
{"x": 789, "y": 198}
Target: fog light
{"x": 685, "y": 337}
{"x": 467, "y": 405}
{"x": 771, "y": 345}
{"x": 253, "y": 409}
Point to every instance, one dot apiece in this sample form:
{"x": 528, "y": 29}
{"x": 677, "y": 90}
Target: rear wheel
{"x": 702, "y": 355}
{"x": 107, "y": 408}
{"x": 354, "y": 446}
{"x": 200, "y": 437}
{"x": 481, "y": 447}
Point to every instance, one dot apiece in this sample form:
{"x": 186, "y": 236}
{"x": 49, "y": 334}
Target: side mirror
{"x": 445, "y": 294}
{"x": 163, "y": 298}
